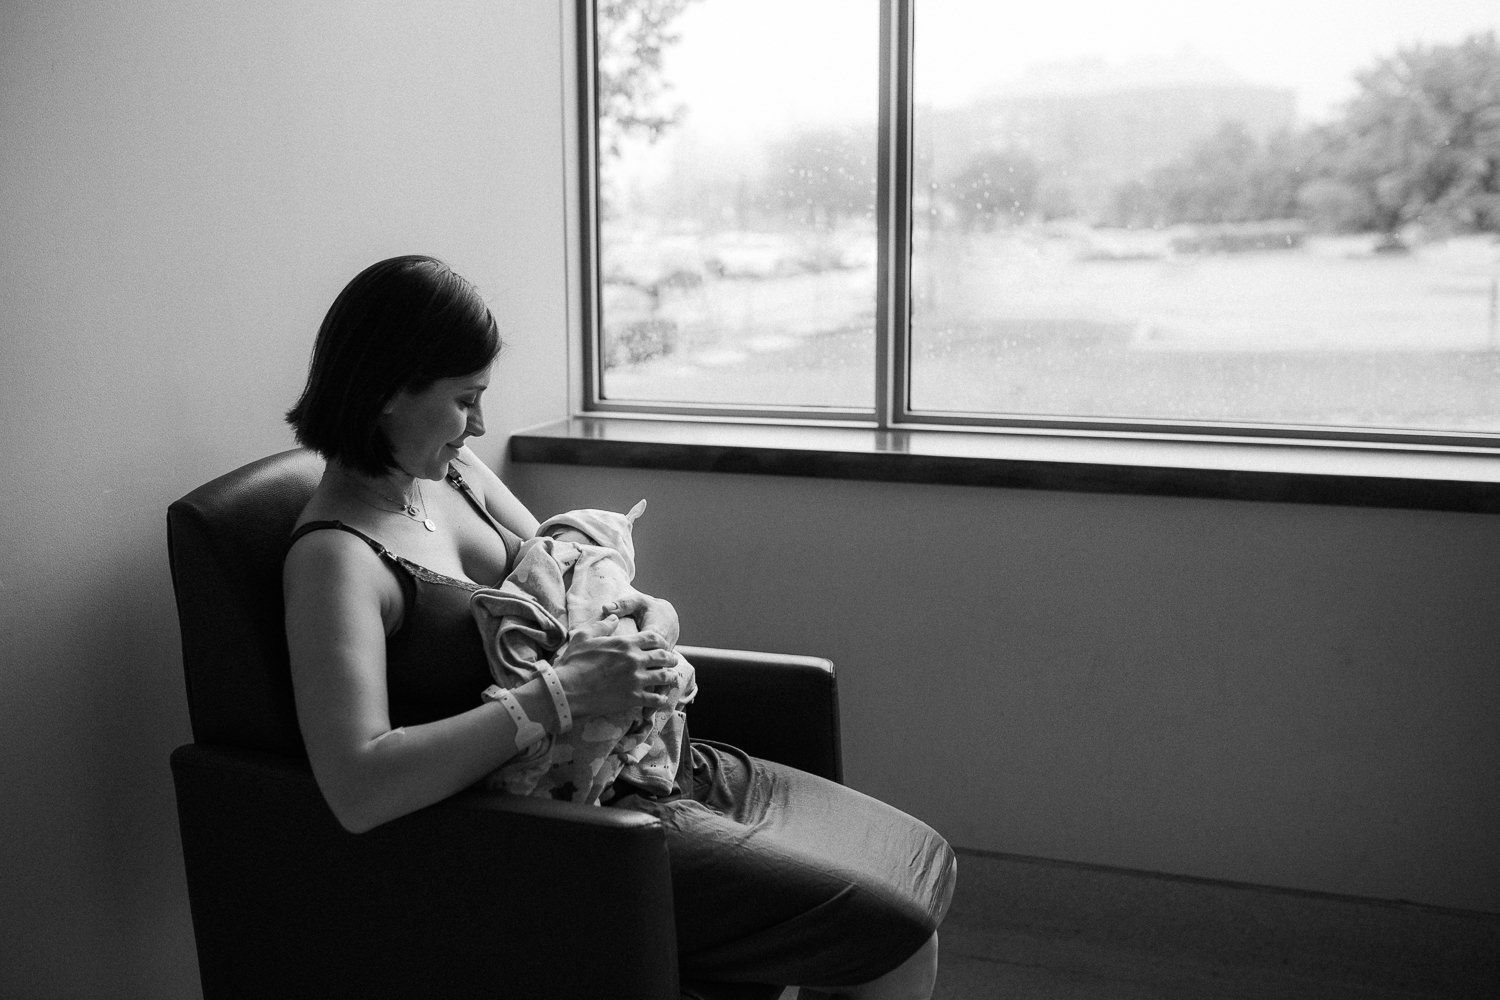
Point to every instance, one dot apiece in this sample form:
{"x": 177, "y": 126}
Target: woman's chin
{"x": 434, "y": 467}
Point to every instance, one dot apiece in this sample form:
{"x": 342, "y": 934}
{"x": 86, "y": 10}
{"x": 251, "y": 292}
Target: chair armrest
{"x": 773, "y": 705}
{"x": 286, "y": 903}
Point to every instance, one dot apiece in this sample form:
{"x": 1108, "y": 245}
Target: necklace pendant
{"x": 427, "y": 523}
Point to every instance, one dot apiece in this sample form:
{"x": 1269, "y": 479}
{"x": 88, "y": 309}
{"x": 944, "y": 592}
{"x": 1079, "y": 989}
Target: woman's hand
{"x": 652, "y": 614}
{"x": 604, "y": 673}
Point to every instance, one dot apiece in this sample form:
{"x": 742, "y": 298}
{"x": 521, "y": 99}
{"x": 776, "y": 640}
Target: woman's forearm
{"x": 411, "y": 767}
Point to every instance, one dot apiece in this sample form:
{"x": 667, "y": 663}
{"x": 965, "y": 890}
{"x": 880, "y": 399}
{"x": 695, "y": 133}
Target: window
{"x": 1148, "y": 216}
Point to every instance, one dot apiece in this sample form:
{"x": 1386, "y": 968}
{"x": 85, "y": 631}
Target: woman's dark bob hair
{"x": 403, "y": 323}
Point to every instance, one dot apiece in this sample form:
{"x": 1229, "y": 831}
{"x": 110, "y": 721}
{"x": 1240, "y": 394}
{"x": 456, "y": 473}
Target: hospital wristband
{"x": 527, "y": 732}
{"x": 559, "y": 696}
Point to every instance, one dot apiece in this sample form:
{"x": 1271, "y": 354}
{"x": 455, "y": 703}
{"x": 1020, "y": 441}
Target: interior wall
{"x": 184, "y": 187}
{"x": 1294, "y": 696}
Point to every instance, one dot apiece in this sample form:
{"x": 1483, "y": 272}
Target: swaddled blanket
{"x": 557, "y": 585}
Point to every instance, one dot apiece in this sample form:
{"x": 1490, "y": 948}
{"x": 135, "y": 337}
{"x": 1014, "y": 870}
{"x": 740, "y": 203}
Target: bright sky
{"x": 1312, "y": 46}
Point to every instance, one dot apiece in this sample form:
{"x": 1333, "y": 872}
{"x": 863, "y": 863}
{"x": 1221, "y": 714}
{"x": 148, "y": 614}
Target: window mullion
{"x": 591, "y": 321}
{"x": 893, "y": 213}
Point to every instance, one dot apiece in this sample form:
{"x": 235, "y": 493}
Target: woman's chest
{"x": 477, "y": 553}
{"x": 435, "y": 661}
{"x": 457, "y": 540}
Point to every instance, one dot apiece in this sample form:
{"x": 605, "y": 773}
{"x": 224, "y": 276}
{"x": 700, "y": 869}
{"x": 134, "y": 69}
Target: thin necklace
{"x": 405, "y": 506}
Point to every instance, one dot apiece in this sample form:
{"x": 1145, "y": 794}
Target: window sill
{"x": 1346, "y": 475}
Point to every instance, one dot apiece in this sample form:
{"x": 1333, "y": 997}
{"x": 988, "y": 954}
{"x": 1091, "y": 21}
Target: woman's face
{"x": 426, "y": 429}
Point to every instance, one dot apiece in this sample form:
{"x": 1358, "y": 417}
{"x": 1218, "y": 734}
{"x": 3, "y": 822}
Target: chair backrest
{"x": 227, "y": 540}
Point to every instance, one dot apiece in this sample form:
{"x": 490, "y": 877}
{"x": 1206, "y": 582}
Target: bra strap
{"x": 456, "y": 480}
{"x": 310, "y": 526}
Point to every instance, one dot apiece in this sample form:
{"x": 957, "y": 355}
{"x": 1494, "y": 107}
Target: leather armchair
{"x": 481, "y": 895}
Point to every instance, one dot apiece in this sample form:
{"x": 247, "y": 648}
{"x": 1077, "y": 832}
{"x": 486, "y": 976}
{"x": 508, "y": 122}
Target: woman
{"x": 388, "y": 670}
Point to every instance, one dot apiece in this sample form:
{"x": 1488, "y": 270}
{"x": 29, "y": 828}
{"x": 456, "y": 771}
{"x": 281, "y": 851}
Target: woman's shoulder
{"x": 324, "y": 552}
{"x": 329, "y": 539}
{"x": 337, "y": 574}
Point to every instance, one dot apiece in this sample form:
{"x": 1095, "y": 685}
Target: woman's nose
{"x": 475, "y": 427}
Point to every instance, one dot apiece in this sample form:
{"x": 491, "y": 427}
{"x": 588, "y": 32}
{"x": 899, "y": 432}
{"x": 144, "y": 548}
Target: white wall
{"x": 184, "y": 187}
{"x": 1300, "y": 696}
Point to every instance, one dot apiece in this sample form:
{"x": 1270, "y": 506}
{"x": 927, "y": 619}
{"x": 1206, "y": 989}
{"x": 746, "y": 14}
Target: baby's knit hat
{"x": 605, "y": 527}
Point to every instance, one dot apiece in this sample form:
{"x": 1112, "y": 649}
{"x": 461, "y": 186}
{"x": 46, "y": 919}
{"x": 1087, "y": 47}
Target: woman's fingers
{"x": 653, "y": 614}
{"x": 660, "y": 617}
{"x": 652, "y": 640}
{"x": 597, "y": 627}
{"x": 627, "y": 606}
{"x": 607, "y": 672}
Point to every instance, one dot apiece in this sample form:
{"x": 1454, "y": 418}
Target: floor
{"x": 977, "y": 966}
{"x": 1023, "y": 928}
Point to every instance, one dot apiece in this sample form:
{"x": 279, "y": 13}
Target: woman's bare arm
{"x": 340, "y": 600}
{"x": 337, "y": 599}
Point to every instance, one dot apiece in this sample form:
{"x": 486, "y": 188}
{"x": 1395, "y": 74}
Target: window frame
{"x": 890, "y": 368}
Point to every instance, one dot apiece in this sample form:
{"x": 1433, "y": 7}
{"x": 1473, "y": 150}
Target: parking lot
{"x": 1328, "y": 332}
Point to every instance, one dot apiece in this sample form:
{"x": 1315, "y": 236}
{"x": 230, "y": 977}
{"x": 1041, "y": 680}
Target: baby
{"x": 578, "y": 562}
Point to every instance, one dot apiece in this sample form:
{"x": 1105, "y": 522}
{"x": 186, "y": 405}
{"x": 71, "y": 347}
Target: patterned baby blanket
{"x": 560, "y": 582}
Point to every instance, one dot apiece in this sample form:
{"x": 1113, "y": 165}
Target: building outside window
{"x": 1280, "y": 218}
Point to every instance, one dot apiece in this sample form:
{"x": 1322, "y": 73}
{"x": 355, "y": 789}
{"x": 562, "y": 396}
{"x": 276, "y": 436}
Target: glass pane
{"x": 1278, "y": 213}
{"x": 737, "y": 201}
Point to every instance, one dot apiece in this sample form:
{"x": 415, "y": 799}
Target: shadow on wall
{"x": 90, "y": 832}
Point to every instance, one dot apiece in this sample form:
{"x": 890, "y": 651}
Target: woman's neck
{"x": 396, "y": 484}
